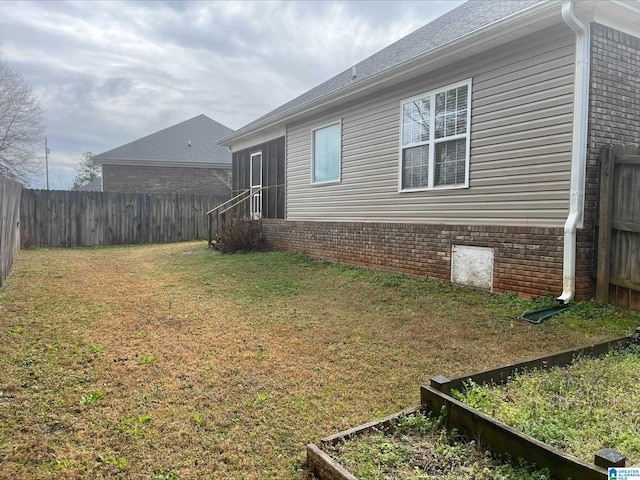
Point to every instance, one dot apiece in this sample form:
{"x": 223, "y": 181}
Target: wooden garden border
{"x": 497, "y": 437}
{"x": 326, "y": 468}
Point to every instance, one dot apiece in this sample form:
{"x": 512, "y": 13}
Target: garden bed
{"x": 370, "y": 449}
{"x": 411, "y": 444}
{"x": 592, "y": 404}
{"x": 504, "y": 439}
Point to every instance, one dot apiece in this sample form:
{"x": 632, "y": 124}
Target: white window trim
{"x": 433, "y": 141}
{"x": 313, "y": 153}
{"x": 254, "y": 154}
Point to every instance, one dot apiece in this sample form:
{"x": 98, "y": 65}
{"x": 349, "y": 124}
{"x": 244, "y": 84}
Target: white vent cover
{"x": 472, "y": 266}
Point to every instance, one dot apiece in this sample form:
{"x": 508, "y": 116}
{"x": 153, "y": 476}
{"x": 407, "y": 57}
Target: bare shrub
{"x": 240, "y": 235}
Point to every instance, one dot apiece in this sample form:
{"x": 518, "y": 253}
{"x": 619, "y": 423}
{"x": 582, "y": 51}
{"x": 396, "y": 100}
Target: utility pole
{"x": 46, "y": 160}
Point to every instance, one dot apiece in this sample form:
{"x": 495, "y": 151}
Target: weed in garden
{"x": 165, "y": 475}
{"x": 198, "y": 420}
{"x": 262, "y": 351}
{"x": 91, "y": 398}
{"x": 64, "y": 463}
{"x": 109, "y": 459}
{"x": 261, "y": 397}
{"x": 475, "y": 395}
{"x": 148, "y": 360}
{"x": 134, "y": 426}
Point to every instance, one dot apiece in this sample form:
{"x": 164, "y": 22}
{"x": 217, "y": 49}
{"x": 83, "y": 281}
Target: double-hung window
{"x": 327, "y": 150}
{"x": 434, "y": 138}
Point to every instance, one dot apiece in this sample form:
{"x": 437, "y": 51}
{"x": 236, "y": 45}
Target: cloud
{"x": 108, "y": 73}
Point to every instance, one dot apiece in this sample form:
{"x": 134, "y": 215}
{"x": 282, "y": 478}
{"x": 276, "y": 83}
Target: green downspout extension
{"x": 539, "y": 316}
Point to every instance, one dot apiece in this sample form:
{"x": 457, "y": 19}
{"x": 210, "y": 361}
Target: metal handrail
{"x": 253, "y": 194}
{"x": 228, "y": 201}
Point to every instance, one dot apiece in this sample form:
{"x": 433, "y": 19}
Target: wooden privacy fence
{"x": 618, "y": 273}
{"x": 9, "y": 224}
{"x": 82, "y": 219}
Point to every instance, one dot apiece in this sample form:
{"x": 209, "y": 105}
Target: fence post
{"x": 607, "y": 169}
{"x": 210, "y": 229}
{"x": 146, "y": 235}
{"x": 10, "y": 204}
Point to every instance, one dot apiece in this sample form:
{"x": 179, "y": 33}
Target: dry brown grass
{"x": 217, "y": 366}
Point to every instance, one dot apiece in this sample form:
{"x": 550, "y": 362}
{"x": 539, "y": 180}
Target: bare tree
{"x": 21, "y": 127}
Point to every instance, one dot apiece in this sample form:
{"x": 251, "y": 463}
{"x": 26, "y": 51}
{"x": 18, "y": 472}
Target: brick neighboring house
{"x": 183, "y": 158}
{"x": 467, "y": 151}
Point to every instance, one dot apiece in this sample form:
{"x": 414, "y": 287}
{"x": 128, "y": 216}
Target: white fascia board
{"x": 161, "y": 163}
{"x": 516, "y": 26}
{"x": 254, "y": 138}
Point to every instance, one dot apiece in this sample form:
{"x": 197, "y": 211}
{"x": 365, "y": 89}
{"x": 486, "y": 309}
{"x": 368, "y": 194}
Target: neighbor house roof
{"x": 461, "y": 22}
{"x": 193, "y": 141}
{"x": 92, "y": 186}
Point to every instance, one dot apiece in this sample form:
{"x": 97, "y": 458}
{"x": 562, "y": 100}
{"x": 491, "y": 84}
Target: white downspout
{"x": 578, "y": 150}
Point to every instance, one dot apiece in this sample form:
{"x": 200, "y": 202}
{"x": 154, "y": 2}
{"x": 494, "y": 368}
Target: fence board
{"x": 78, "y": 219}
{"x": 10, "y": 193}
{"x": 634, "y": 300}
{"x": 618, "y": 278}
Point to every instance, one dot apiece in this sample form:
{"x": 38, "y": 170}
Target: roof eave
{"x": 160, "y": 163}
{"x": 517, "y": 25}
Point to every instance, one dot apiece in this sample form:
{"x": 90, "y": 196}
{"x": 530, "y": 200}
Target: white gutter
{"x": 578, "y": 151}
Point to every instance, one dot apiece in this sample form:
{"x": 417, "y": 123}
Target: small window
{"x": 326, "y": 154}
{"x": 434, "y": 151}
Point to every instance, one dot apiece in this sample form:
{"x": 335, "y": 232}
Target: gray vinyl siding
{"x": 521, "y": 125}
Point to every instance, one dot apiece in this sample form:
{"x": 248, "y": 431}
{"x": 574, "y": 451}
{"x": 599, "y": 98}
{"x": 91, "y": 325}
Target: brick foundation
{"x": 527, "y": 260}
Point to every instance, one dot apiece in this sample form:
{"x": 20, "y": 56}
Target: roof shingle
{"x": 191, "y": 141}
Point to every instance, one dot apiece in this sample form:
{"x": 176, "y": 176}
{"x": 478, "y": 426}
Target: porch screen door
{"x": 256, "y": 185}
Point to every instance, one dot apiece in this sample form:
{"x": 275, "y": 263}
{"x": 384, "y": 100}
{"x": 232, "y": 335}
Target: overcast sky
{"x": 108, "y": 73}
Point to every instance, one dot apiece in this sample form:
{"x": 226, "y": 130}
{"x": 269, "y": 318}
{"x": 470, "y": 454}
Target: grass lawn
{"x": 172, "y": 361}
